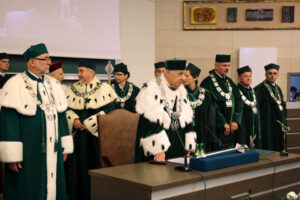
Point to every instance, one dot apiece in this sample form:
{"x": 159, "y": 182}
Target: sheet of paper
{"x": 179, "y": 160}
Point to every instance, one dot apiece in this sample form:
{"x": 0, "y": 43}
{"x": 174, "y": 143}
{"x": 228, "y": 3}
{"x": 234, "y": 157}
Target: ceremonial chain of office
{"x": 226, "y": 95}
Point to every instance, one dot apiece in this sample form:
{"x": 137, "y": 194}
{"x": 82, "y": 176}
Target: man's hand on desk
{"x": 161, "y": 157}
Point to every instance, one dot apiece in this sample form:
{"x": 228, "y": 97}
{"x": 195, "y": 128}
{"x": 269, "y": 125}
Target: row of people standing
{"x": 220, "y": 111}
{"x": 224, "y": 113}
{"x": 243, "y": 114}
{"x": 84, "y": 100}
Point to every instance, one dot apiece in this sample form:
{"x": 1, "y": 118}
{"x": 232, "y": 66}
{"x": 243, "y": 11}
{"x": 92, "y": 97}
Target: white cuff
{"x": 11, "y": 152}
{"x": 155, "y": 144}
{"x": 67, "y": 144}
{"x": 92, "y": 125}
{"x": 190, "y": 141}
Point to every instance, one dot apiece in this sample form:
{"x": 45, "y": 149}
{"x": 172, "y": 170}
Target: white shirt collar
{"x": 273, "y": 84}
{"x": 220, "y": 75}
{"x": 2, "y": 74}
{"x": 34, "y": 74}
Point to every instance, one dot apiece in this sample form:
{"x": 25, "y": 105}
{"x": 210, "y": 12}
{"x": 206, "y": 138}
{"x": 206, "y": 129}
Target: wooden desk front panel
{"x": 140, "y": 181}
{"x": 110, "y": 189}
{"x": 258, "y": 188}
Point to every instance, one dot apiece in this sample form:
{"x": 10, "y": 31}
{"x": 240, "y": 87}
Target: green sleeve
{"x": 238, "y": 112}
{"x": 10, "y": 125}
{"x": 63, "y": 124}
{"x": 205, "y": 84}
{"x": 220, "y": 120}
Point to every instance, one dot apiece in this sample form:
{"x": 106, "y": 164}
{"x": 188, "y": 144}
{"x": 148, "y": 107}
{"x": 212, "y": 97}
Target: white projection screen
{"x": 69, "y": 28}
{"x": 257, "y": 58}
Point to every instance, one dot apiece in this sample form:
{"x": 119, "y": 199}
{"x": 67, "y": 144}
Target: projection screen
{"x": 69, "y": 28}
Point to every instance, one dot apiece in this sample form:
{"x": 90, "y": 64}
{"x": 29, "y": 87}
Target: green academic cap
{"x": 160, "y": 65}
{"x": 176, "y": 64}
{"x": 222, "y": 58}
{"x": 272, "y": 66}
{"x": 34, "y": 51}
{"x": 195, "y": 71}
{"x": 243, "y": 70}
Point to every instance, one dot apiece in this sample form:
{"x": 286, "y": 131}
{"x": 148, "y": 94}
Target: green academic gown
{"x": 272, "y": 136}
{"x": 85, "y": 102}
{"x": 154, "y": 134}
{"x": 126, "y": 97}
{"x": 230, "y": 114}
{"x": 34, "y": 132}
{"x": 206, "y": 117}
{"x": 250, "y": 125}
{"x": 3, "y": 80}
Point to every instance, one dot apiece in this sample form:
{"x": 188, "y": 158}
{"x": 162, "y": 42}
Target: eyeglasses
{"x": 43, "y": 59}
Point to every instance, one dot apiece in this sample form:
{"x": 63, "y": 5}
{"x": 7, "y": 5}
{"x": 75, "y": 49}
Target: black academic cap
{"x": 87, "y": 64}
{"x": 243, "y": 70}
{"x": 272, "y": 66}
{"x": 4, "y": 56}
{"x": 160, "y": 65}
{"x": 222, "y": 58}
{"x": 176, "y": 64}
{"x": 121, "y": 67}
{"x": 195, "y": 71}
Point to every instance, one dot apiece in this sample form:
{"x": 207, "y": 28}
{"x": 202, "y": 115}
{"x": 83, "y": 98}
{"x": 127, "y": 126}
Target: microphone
{"x": 285, "y": 129}
{"x": 186, "y": 166}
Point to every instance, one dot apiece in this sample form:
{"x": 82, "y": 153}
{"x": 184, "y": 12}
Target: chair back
{"x": 117, "y": 134}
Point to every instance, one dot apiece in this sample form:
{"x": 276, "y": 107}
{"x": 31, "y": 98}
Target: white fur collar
{"x": 15, "y": 94}
{"x": 97, "y": 98}
{"x": 150, "y": 104}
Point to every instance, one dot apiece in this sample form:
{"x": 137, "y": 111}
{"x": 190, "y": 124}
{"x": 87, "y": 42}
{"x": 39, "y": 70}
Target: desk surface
{"x": 156, "y": 177}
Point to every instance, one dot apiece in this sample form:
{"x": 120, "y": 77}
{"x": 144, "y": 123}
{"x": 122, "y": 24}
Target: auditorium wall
{"x": 137, "y": 30}
{"x": 200, "y": 47}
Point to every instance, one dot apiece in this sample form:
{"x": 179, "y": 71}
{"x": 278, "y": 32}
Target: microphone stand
{"x": 185, "y": 167}
{"x": 285, "y": 129}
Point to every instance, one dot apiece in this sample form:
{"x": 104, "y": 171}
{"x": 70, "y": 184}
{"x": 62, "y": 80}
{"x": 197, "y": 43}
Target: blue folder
{"x": 223, "y": 160}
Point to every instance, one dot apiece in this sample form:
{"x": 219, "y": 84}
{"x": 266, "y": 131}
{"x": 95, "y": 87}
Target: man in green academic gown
{"x": 86, "y": 99}
{"x": 34, "y": 131}
{"x": 206, "y": 112}
{"x": 272, "y": 109}
{"x": 125, "y": 90}
{"x": 165, "y": 128}
{"x": 160, "y": 68}
{"x": 228, "y": 100}
{"x": 4, "y": 66}
{"x": 250, "y": 131}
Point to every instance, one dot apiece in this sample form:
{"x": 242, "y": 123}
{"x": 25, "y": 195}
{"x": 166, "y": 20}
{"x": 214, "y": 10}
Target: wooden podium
{"x": 269, "y": 177}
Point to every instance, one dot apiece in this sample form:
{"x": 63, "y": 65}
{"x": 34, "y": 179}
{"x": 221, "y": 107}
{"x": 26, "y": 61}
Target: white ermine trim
{"x": 11, "y": 152}
{"x": 104, "y": 95}
{"x": 71, "y": 116}
{"x": 190, "y": 141}
{"x": 58, "y": 92}
{"x": 91, "y": 123}
{"x": 51, "y": 139}
{"x": 150, "y": 104}
{"x": 67, "y": 144}
{"x": 15, "y": 95}
{"x": 155, "y": 144}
